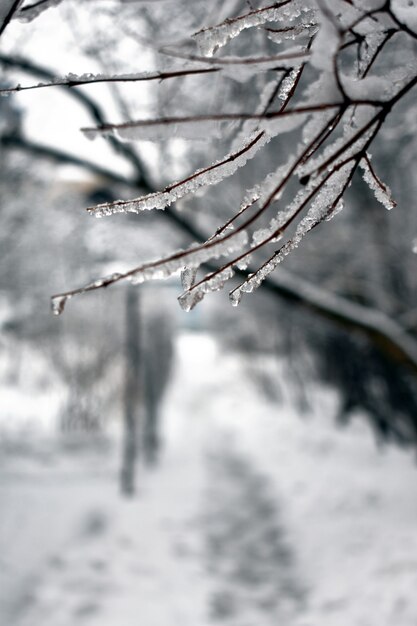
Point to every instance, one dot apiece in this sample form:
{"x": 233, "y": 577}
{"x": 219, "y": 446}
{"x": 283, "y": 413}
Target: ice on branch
{"x": 207, "y": 176}
{"x": 190, "y": 298}
{"x": 262, "y": 190}
{"x": 274, "y": 231}
{"x": 88, "y": 77}
{"x": 212, "y": 38}
{"x": 322, "y": 120}
{"x": 276, "y": 124}
{"x": 381, "y": 191}
{"x": 327, "y": 203}
{"x": 58, "y": 304}
{"x": 194, "y": 256}
{"x": 371, "y": 43}
{"x": 307, "y": 28}
{"x": 288, "y": 84}
{"x": 188, "y": 277}
{"x": 353, "y": 140}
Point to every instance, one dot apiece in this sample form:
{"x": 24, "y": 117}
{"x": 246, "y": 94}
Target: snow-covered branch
{"x": 8, "y": 10}
{"x": 337, "y": 110}
{"x": 322, "y": 72}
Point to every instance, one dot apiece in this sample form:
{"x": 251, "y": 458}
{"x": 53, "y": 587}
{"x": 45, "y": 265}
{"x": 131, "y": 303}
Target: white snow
{"x": 212, "y": 38}
{"x": 381, "y": 191}
{"x": 36, "y": 8}
{"x": 406, "y": 12}
{"x": 72, "y": 550}
{"x": 325, "y": 44}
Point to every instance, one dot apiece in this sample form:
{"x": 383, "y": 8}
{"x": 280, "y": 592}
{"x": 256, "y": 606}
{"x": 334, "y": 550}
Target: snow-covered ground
{"x": 255, "y": 516}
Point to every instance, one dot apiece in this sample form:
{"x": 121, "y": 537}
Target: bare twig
{"x": 9, "y": 15}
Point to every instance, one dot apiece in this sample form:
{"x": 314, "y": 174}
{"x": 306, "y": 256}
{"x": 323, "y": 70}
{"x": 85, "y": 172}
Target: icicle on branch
{"x": 212, "y": 38}
{"x": 381, "y": 191}
{"x": 193, "y": 256}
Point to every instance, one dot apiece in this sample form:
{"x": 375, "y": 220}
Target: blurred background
{"x": 245, "y": 466}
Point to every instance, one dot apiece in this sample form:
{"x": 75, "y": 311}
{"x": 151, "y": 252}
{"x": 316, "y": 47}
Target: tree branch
{"x": 392, "y": 339}
{"x": 94, "y": 110}
{"x": 60, "y": 156}
{"x": 9, "y": 15}
{"x": 384, "y": 332}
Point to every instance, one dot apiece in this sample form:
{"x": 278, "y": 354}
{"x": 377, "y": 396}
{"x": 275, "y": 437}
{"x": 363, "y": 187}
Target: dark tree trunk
{"x": 131, "y": 393}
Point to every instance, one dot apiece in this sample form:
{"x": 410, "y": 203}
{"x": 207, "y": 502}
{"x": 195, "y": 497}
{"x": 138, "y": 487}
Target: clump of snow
{"x": 325, "y": 44}
{"x": 406, "y": 12}
{"x": 212, "y": 38}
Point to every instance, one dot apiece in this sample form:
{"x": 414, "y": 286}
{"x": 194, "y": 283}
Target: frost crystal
{"x": 307, "y": 28}
{"x": 287, "y": 84}
{"x": 204, "y": 177}
{"x": 345, "y": 147}
{"x": 211, "y": 39}
{"x": 371, "y": 41}
{"x": 327, "y": 203}
{"x": 381, "y": 191}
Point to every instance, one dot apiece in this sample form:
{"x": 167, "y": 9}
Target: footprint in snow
{"x": 248, "y": 556}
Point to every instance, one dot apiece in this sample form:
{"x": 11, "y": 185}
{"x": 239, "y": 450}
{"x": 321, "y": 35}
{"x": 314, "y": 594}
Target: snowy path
{"x": 38, "y": 518}
{"x": 254, "y": 517}
{"x": 255, "y": 578}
